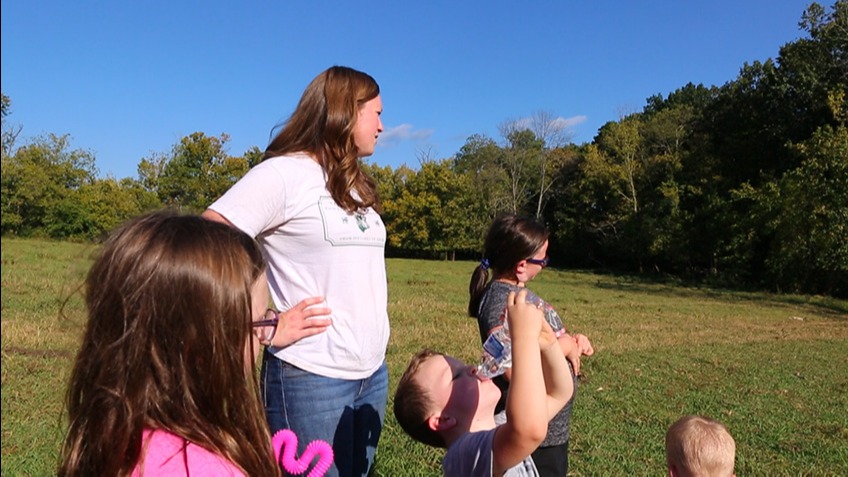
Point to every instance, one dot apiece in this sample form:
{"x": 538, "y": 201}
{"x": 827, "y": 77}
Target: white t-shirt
{"x": 315, "y": 248}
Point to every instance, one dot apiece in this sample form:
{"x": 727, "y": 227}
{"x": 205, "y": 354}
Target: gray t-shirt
{"x": 491, "y": 315}
{"x": 471, "y": 456}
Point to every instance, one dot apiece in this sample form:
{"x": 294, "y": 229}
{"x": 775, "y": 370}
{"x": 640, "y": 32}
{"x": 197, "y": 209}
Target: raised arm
{"x": 527, "y": 401}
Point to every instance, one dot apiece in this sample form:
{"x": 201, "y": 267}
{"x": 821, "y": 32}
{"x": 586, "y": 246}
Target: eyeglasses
{"x": 266, "y": 328}
{"x": 542, "y": 262}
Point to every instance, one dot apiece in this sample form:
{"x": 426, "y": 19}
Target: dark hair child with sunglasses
{"x": 516, "y": 251}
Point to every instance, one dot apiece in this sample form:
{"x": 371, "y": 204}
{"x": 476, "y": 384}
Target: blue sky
{"x": 127, "y": 80}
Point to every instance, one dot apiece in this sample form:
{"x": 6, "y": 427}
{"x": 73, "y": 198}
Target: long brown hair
{"x": 322, "y": 125}
{"x": 511, "y": 238}
{"x": 169, "y": 316}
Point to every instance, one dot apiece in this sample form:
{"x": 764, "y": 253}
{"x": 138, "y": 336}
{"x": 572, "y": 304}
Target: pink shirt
{"x": 166, "y": 456}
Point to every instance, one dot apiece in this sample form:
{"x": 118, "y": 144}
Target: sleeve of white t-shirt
{"x": 257, "y": 202}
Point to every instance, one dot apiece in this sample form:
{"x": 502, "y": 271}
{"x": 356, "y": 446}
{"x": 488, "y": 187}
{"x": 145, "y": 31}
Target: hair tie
{"x": 484, "y": 264}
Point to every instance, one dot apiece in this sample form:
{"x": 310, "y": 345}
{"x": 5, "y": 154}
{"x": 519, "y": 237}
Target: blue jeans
{"x": 348, "y": 414}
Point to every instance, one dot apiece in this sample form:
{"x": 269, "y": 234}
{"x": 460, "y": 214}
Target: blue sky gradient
{"x": 128, "y": 80}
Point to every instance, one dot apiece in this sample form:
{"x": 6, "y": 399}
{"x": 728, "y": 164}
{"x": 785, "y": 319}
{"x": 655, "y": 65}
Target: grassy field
{"x": 773, "y": 368}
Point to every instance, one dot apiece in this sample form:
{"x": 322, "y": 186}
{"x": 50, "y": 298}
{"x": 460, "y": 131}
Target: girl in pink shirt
{"x": 164, "y": 381}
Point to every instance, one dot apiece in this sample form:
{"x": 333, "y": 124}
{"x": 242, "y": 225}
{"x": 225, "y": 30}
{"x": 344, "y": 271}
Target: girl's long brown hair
{"x": 169, "y": 316}
{"x": 322, "y": 125}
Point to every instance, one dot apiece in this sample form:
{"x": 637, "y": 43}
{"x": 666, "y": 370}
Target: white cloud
{"x": 405, "y": 132}
{"x": 562, "y": 122}
{"x": 570, "y": 122}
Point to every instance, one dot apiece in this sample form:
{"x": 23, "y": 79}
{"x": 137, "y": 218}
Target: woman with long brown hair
{"x": 314, "y": 212}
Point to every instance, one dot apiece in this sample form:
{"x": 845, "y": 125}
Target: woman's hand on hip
{"x": 301, "y": 321}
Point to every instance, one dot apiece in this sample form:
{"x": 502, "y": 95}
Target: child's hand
{"x": 584, "y": 345}
{"x": 571, "y": 352}
{"x": 523, "y": 318}
{"x": 298, "y": 322}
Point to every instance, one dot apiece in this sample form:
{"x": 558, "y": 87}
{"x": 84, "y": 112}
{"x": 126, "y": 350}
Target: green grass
{"x": 773, "y": 368}
{"x": 38, "y": 348}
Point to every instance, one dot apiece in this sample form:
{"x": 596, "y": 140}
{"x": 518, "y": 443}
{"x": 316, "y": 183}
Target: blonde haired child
{"x": 698, "y": 446}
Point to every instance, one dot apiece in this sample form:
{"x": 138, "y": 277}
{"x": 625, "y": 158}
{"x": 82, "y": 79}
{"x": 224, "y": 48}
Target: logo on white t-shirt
{"x": 339, "y": 229}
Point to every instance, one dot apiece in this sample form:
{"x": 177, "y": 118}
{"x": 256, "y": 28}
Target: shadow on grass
{"x": 835, "y": 308}
{"x": 37, "y": 353}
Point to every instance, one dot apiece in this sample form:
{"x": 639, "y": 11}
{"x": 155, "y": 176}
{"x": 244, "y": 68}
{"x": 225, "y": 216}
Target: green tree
{"x": 40, "y": 189}
{"x": 778, "y": 101}
{"x": 483, "y": 161}
{"x": 390, "y": 185}
{"x": 434, "y": 212}
{"x": 617, "y": 162}
{"x": 551, "y": 133}
{"x": 389, "y": 182}
{"x": 150, "y": 169}
{"x": 811, "y": 233}
{"x": 253, "y": 156}
{"x": 692, "y": 96}
{"x": 628, "y": 180}
{"x": 520, "y": 162}
{"x": 9, "y": 132}
{"x": 573, "y": 220}
{"x": 108, "y": 203}
{"x": 197, "y": 172}
{"x": 750, "y": 128}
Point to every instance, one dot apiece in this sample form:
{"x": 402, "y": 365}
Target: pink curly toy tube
{"x": 285, "y": 451}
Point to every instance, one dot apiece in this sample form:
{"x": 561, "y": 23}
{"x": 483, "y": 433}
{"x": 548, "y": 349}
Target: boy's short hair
{"x": 700, "y": 446}
{"x": 412, "y": 405}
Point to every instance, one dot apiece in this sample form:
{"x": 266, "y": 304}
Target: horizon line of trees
{"x": 743, "y": 185}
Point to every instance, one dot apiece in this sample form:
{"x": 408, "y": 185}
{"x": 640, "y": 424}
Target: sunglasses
{"x": 542, "y": 262}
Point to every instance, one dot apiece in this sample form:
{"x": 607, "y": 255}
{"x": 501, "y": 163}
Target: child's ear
{"x": 520, "y": 271}
{"x": 521, "y": 267}
{"x": 441, "y": 423}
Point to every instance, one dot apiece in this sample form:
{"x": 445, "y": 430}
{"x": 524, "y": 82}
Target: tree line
{"x": 744, "y": 184}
